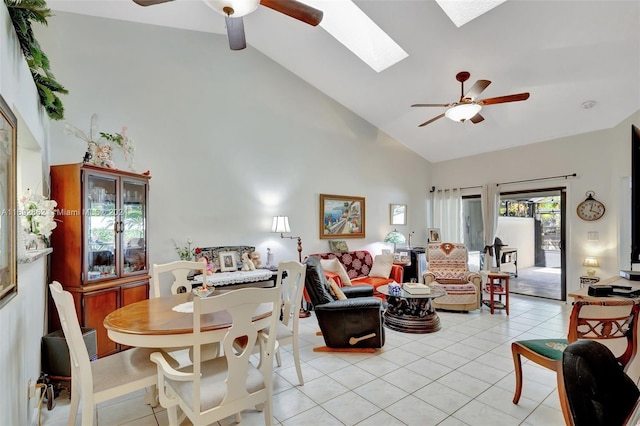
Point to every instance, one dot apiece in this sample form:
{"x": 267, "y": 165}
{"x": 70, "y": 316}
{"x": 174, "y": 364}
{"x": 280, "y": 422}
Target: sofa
{"x": 448, "y": 270}
{"x": 358, "y": 269}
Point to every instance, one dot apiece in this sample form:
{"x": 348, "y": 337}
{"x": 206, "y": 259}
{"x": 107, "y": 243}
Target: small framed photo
{"x": 227, "y": 261}
{"x": 386, "y": 251}
{"x": 398, "y": 214}
{"x": 434, "y": 235}
{"x": 338, "y": 246}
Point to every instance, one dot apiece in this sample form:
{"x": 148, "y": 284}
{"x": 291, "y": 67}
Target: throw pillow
{"x": 382, "y": 264}
{"x": 335, "y": 290}
{"x": 334, "y": 265}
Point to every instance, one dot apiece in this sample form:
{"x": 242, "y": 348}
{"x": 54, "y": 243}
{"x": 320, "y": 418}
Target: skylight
{"x": 462, "y": 11}
{"x": 358, "y": 33}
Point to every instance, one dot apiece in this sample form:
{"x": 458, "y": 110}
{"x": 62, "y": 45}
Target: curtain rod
{"x": 433, "y": 188}
{"x": 536, "y": 179}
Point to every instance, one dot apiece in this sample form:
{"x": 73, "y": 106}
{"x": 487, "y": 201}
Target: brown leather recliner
{"x": 352, "y": 323}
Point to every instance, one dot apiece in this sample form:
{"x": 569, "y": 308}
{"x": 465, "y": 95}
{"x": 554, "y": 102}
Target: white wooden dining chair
{"x": 211, "y": 390}
{"x": 105, "y": 378}
{"x": 290, "y": 278}
{"x": 180, "y": 270}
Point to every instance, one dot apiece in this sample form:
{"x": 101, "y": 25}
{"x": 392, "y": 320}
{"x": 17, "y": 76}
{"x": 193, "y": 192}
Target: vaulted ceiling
{"x": 564, "y": 53}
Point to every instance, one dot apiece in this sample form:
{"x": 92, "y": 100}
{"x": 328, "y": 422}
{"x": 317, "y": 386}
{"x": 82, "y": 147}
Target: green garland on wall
{"x": 23, "y": 13}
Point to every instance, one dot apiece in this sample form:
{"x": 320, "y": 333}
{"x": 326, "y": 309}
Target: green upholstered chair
{"x": 610, "y": 319}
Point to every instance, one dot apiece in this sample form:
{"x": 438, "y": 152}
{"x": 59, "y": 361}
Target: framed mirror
{"x": 8, "y": 200}
{"x": 398, "y": 214}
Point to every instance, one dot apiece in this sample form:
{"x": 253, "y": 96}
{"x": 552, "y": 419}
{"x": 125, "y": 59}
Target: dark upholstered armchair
{"x": 599, "y": 392}
{"x": 352, "y": 323}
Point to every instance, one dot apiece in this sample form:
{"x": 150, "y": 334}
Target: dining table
{"x": 167, "y": 322}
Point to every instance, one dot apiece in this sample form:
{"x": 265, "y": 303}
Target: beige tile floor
{"x": 461, "y": 375}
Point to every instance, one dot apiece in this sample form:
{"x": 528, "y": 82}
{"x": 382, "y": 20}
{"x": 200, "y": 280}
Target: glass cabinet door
{"x": 133, "y": 226}
{"x": 100, "y": 217}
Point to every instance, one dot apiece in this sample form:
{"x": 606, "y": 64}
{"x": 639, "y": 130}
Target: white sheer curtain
{"x": 490, "y": 208}
{"x": 447, "y": 214}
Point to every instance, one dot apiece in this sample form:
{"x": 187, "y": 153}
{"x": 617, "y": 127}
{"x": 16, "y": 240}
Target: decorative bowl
{"x": 203, "y": 292}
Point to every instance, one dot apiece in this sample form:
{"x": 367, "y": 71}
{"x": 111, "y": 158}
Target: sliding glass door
{"x": 529, "y": 240}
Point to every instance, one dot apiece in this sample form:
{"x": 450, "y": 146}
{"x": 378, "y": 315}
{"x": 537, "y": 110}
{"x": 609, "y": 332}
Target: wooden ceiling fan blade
{"x": 430, "y": 105}
{"x": 504, "y": 99}
{"x": 295, "y": 9}
{"x": 235, "y": 33}
{"x": 476, "y": 118}
{"x": 476, "y": 89}
{"x": 150, "y": 2}
{"x": 432, "y": 120}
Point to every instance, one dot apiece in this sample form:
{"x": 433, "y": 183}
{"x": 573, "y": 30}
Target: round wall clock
{"x": 590, "y": 209}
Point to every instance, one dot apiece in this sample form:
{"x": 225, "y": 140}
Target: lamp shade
{"x": 591, "y": 262}
{"x": 462, "y": 112}
{"x": 280, "y": 224}
{"x": 395, "y": 237}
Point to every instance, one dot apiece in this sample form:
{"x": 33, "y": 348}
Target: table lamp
{"x": 591, "y": 262}
{"x": 395, "y": 237}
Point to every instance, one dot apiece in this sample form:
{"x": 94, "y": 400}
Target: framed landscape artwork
{"x": 8, "y": 199}
{"x": 341, "y": 216}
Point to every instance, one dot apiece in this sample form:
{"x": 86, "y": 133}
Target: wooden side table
{"x": 586, "y": 280}
{"x": 497, "y": 286}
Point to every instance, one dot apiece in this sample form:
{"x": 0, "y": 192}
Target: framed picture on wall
{"x": 227, "y": 261}
{"x": 341, "y": 216}
{"x": 434, "y": 235}
{"x": 8, "y": 200}
{"x": 398, "y": 214}
{"x": 338, "y": 246}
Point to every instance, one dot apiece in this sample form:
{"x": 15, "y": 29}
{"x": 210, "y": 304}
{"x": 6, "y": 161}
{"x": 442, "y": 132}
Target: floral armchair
{"x": 448, "y": 269}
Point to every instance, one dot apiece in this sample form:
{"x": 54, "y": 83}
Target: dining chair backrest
{"x": 180, "y": 270}
{"x": 79, "y": 356}
{"x": 612, "y": 322}
{"x": 240, "y": 305}
{"x": 291, "y": 279}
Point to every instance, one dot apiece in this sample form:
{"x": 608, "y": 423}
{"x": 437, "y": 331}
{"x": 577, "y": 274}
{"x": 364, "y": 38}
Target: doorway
{"x": 532, "y": 224}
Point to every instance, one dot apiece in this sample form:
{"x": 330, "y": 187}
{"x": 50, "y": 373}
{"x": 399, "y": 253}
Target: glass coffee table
{"x": 411, "y": 313}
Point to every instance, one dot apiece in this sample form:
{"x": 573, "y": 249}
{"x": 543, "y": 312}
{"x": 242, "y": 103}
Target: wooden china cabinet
{"x": 99, "y": 246}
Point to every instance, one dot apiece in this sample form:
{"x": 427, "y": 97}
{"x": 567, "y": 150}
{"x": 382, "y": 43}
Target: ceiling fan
{"x": 234, "y": 10}
{"x": 468, "y": 108}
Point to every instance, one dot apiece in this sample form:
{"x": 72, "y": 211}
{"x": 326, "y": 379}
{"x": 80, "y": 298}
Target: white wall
{"x": 602, "y": 161}
{"x": 519, "y": 233}
{"x": 22, "y": 318}
{"x": 231, "y": 138}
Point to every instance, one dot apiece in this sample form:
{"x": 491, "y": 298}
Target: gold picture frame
{"x": 398, "y": 214}
{"x": 341, "y": 216}
{"x": 8, "y": 201}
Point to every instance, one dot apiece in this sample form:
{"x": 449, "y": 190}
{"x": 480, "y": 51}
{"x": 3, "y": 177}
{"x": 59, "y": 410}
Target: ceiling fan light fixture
{"x": 462, "y": 112}
{"x": 239, "y": 8}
